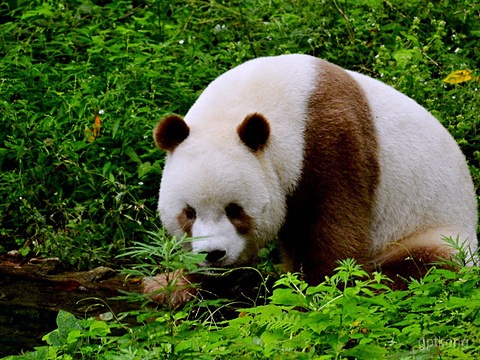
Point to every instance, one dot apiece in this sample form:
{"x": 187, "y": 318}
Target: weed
{"x": 350, "y": 314}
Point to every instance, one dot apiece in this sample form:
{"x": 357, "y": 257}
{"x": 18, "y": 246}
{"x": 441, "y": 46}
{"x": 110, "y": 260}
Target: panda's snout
{"x": 214, "y": 256}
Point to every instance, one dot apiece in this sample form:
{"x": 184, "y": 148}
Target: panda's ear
{"x": 170, "y": 132}
{"x": 254, "y": 131}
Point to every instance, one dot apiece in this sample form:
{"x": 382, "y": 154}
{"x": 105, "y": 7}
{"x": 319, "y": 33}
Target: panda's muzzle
{"x": 214, "y": 256}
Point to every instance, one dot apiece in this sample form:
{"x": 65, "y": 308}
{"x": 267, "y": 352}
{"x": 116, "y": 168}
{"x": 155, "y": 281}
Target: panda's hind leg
{"x": 412, "y": 257}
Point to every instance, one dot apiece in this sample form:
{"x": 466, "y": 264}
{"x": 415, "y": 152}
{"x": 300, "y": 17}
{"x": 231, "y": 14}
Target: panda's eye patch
{"x": 233, "y": 211}
{"x": 190, "y": 212}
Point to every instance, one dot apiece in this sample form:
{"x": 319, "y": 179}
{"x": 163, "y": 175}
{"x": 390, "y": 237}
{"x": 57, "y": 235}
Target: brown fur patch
{"x": 182, "y": 292}
{"x": 400, "y": 263}
{"x": 329, "y": 214}
{"x": 239, "y": 218}
{"x": 236, "y": 214}
{"x": 254, "y": 131}
{"x": 170, "y": 132}
{"x": 186, "y": 221}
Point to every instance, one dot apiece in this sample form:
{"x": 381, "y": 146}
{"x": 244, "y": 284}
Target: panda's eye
{"x": 190, "y": 213}
{"x": 233, "y": 211}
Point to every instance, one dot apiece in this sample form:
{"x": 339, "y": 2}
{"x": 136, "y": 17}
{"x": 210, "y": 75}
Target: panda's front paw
{"x": 173, "y": 289}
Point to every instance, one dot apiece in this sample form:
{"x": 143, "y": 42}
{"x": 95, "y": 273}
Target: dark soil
{"x": 32, "y": 292}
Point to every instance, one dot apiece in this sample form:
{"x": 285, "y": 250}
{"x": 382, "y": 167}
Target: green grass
{"x": 134, "y": 62}
{"x": 351, "y": 315}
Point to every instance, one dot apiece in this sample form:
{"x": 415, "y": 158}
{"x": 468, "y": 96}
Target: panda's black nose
{"x": 214, "y": 255}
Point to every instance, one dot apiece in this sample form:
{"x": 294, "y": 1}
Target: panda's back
{"x": 423, "y": 180}
{"x": 425, "y": 185}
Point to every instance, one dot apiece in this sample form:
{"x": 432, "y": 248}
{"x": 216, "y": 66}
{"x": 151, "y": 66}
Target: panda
{"x": 335, "y": 163}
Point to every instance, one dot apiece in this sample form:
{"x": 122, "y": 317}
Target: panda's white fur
{"x": 212, "y": 168}
{"x": 423, "y": 189}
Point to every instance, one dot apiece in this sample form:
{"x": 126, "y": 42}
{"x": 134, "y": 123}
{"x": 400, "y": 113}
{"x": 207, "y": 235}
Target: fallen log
{"x": 32, "y": 292}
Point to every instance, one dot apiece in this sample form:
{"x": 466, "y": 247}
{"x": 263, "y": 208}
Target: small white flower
{"x": 101, "y": 112}
{"x": 181, "y": 42}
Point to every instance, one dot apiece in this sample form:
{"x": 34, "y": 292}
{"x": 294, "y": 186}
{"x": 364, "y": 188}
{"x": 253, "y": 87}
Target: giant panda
{"x": 335, "y": 163}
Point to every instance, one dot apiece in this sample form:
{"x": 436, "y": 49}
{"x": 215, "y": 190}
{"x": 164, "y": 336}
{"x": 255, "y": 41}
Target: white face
{"x": 223, "y": 198}
{"x": 227, "y": 176}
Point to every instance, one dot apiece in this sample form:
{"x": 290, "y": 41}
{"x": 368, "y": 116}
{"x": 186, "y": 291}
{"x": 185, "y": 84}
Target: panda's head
{"x": 218, "y": 189}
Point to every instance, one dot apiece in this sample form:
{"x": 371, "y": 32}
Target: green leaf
{"x": 130, "y": 152}
{"x": 288, "y": 297}
{"x": 99, "y": 328}
{"x": 144, "y": 169}
{"x": 54, "y": 338}
{"x": 317, "y": 322}
{"x": 73, "y": 336}
{"x": 403, "y": 57}
{"x": 115, "y": 128}
{"x": 40, "y": 10}
{"x": 60, "y": 337}
{"x": 67, "y": 322}
{"x": 366, "y": 351}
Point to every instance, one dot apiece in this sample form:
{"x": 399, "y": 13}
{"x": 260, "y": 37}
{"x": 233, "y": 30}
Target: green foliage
{"x": 162, "y": 254}
{"x": 85, "y": 201}
{"x": 349, "y": 315}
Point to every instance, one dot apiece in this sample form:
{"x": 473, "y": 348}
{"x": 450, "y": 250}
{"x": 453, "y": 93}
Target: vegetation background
{"x": 83, "y": 83}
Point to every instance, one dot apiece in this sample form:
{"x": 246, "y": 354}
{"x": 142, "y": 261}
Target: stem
{"x": 247, "y": 30}
{"x": 351, "y": 33}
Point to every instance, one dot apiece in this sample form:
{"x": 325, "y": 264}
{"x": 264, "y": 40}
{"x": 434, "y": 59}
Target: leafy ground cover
{"x": 82, "y": 85}
{"x": 351, "y": 315}
{"x": 85, "y": 195}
